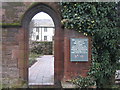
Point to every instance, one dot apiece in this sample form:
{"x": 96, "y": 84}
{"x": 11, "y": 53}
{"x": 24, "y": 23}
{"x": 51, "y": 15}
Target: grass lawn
{"x": 32, "y": 58}
{"x": 0, "y": 85}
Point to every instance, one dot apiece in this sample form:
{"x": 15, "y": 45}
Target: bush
{"x": 44, "y": 48}
{"x": 32, "y": 58}
{"x": 84, "y": 82}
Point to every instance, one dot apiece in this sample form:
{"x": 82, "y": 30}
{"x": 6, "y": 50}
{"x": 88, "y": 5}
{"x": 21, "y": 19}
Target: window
{"x": 45, "y": 38}
{"x": 45, "y": 29}
{"x": 37, "y": 37}
{"x": 52, "y": 38}
{"x": 37, "y": 30}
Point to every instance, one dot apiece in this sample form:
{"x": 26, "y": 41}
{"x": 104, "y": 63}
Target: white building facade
{"x": 42, "y": 30}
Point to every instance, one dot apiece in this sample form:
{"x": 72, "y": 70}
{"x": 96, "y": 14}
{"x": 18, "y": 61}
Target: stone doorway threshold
{"x": 41, "y": 84}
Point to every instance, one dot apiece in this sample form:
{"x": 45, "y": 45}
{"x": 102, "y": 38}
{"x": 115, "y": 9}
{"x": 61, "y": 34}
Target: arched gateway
{"x": 15, "y": 47}
{"x": 58, "y": 38}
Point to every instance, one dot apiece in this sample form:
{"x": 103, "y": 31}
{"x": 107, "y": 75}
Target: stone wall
{"x": 15, "y": 50}
{"x": 10, "y": 56}
{"x": 15, "y": 44}
{"x": 14, "y": 62}
{"x": 12, "y": 12}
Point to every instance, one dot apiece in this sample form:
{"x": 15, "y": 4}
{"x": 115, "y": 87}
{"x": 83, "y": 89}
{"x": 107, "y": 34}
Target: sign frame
{"x": 79, "y": 54}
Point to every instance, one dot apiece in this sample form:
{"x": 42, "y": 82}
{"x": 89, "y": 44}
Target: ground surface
{"x": 42, "y": 72}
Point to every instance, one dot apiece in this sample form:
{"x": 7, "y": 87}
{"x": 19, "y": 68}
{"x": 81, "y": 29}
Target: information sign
{"x": 79, "y": 49}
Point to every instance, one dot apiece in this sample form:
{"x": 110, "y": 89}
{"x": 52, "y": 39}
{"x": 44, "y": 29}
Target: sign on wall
{"x": 79, "y": 49}
{"x": 117, "y": 77}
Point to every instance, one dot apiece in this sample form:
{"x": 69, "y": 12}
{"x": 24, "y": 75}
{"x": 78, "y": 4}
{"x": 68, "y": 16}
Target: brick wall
{"x": 73, "y": 69}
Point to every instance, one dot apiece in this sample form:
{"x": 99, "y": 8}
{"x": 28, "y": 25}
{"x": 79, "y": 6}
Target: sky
{"x": 41, "y": 15}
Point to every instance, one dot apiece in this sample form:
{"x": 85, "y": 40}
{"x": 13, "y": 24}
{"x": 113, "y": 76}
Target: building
{"x": 41, "y": 30}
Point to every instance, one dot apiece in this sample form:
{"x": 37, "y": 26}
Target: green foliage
{"x": 32, "y": 58}
{"x": 99, "y": 20}
{"x": 43, "y": 48}
{"x": 83, "y": 82}
{"x": 9, "y": 24}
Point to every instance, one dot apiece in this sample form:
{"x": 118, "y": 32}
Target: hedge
{"x": 43, "y": 48}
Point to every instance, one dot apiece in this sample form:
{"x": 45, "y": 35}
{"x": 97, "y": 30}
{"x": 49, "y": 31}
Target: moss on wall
{"x": 15, "y": 3}
{"x": 10, "y": 24}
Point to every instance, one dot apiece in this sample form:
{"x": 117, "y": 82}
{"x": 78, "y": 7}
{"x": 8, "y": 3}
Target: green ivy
{"x": 83, "y": 82}
{"x": 99, "y": 20}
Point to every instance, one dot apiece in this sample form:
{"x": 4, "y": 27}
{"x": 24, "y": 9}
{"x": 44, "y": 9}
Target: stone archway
{"x": 59, "y": 39}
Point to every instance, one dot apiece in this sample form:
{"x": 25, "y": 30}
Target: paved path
{"x": 42, "y": 72}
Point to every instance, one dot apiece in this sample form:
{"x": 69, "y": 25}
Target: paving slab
{"x": 42, "y": 72}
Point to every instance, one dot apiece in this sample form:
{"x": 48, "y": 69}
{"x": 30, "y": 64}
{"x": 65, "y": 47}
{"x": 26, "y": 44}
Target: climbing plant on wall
{"x": 99, "y": 20}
